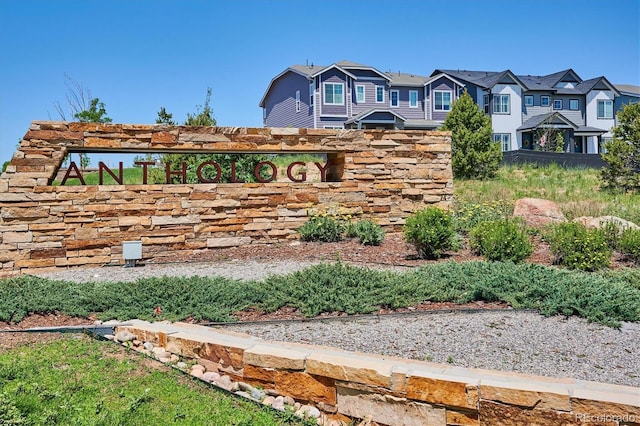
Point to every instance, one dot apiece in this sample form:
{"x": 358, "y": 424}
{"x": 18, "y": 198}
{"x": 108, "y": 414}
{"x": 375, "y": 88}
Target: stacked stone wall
{"x": 382, "y": 175}
{"x": 394, "y": 391}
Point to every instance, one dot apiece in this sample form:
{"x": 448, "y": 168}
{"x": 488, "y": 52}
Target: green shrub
{"x": 322, "y": 228}
{"x": 431, "y": 231}
{"x": 467, "y": 215}
{"x": 368, "y": 232}
{"x": 577, "y": 247}
{"x": 501, "y": 240}
{"x": 629, "y": 244}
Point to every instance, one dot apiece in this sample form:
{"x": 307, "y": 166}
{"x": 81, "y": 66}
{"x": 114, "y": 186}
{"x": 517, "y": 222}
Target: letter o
{"x": 274, "y": 171}
{"x": 205, "y": 180}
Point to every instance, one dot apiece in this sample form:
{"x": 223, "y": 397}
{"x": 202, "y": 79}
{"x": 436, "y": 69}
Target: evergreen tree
{"x": 473, "y": 152}
{"x": 623, "y": 152}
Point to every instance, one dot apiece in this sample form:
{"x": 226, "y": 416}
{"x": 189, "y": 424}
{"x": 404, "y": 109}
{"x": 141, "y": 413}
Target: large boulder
{"x": 600, "y": 222}
{"x": 537, "y": 212}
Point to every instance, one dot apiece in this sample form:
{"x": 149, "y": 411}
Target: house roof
{"x": 418, "y": 124}
{"x": 628, "y": 89}
{"x": 552, "y": 119}
{"x": 483, "y": 79}
{"x": 364, "y": 114}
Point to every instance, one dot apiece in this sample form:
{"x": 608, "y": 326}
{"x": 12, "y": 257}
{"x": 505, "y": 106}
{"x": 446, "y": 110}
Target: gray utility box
{"x": 131, "y": 251}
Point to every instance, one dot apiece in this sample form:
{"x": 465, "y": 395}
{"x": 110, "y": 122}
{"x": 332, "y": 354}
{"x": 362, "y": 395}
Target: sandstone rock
{"x": 600, "y": 222}
{"x": 278, "y": 403}
{"x": 148, "y": 346}
{"x": 210, "y": 376}
{"x": 125, "y": 336}
{"x": 537, "y": 212}
{"x": 268, "y": 400}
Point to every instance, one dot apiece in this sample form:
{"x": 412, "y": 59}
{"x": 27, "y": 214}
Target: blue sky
{"x": 137, "y": 56}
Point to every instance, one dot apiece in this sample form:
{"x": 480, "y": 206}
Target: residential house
{"x": 351, "y": 95}
{"x": 523, "y": 108}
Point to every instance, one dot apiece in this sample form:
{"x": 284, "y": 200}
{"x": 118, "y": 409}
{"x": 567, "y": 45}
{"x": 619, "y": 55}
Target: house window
{"x": 413, "y": 98}
{"x": 297, "y": 101}
{"x": 395, "y": 98}
{"x": 311, "y": 90}
{"x": 573, "y": 104}
{"x": 379, "y": 94}
{"x": 501, "y": 104}
{"x": 557, "y": 104}
{"x": 333, "y": 127}
{"x": 602, "y": 147}
{"x": 485, "y": 101}
{"x": 360, "y": 94}
{"x": 333, "y": 93}
{"x": 545, "y": 101}
{"x": 605, "y": 109}
{"x": 504, "y": 139}
{"x": 442, "y": 100}
{"x": 528, "y": 100}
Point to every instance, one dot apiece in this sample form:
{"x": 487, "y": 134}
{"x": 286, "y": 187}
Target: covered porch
{"x": 555, "y": 132}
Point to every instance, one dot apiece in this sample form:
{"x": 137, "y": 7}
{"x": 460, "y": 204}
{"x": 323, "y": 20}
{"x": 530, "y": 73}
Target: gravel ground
{"x": 502, "y": 340}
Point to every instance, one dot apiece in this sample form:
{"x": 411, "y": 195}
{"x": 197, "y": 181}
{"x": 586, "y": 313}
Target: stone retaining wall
{"x": 394, "y": 391}
{"x": 384, "y": 175}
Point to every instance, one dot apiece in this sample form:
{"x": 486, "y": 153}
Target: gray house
{"x": 524, "y": 109}
{"x": 351, "y": 95}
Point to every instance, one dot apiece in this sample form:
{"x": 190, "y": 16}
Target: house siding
{"x": 370, "y": 95}
{"x": 334, "y": 76}
{"x": 592, "y": 119}
{"x": 576, "y": 117}
{"x": 443, "y": 84}
{"x": 280, "y": 104}
{"x": 508, "y": 123}
{"x": 537, "y": 108}
{"x": 403, "y": 107}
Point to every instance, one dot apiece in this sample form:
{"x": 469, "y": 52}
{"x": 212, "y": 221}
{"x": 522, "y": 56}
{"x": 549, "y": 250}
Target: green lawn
{"x": 80, "y": 381}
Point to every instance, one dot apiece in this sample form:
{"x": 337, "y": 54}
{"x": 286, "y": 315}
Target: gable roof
{"x": 483, "y": 79}
{"x": 366, "y": 113}
{"x": 551, "y": 119}
{"x": 448, "y": 77}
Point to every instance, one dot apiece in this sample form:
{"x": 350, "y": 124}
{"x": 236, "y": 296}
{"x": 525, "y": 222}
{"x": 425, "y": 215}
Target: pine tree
{"x": 473, "y": 152}
{"x": 623, "y": 152}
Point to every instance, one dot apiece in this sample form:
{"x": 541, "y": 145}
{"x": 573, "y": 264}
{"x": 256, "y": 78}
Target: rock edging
{"x": 344, "y": 385}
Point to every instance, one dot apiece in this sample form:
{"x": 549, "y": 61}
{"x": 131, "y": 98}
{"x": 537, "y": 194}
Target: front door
{"x": 578, "y": 144}
{"x": 527, "y": 140}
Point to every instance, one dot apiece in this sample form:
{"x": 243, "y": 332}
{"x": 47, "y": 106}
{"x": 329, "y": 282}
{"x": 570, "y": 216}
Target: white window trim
{"x": 548, "y": 98}
{"x": 364, "y": 96}
{"x": 391, "y": 92}
{"x": 324, "y": 92}
{"x": 450, "y": 100}
{"x": 333, "y": 127}
{"x": 312, "y": 89}
{"x": 382, "y": 100}
{"x": 604, "y": 111}
{"x": 525, "y": 100}
{"x": 499, "y": 104}
{"x": 297, "y": 101}
{"x": 501, "y": 139}
{"x": 415, "y": 92}
{"x": 561, "y": 104}
{"x": 577, "y": 103}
